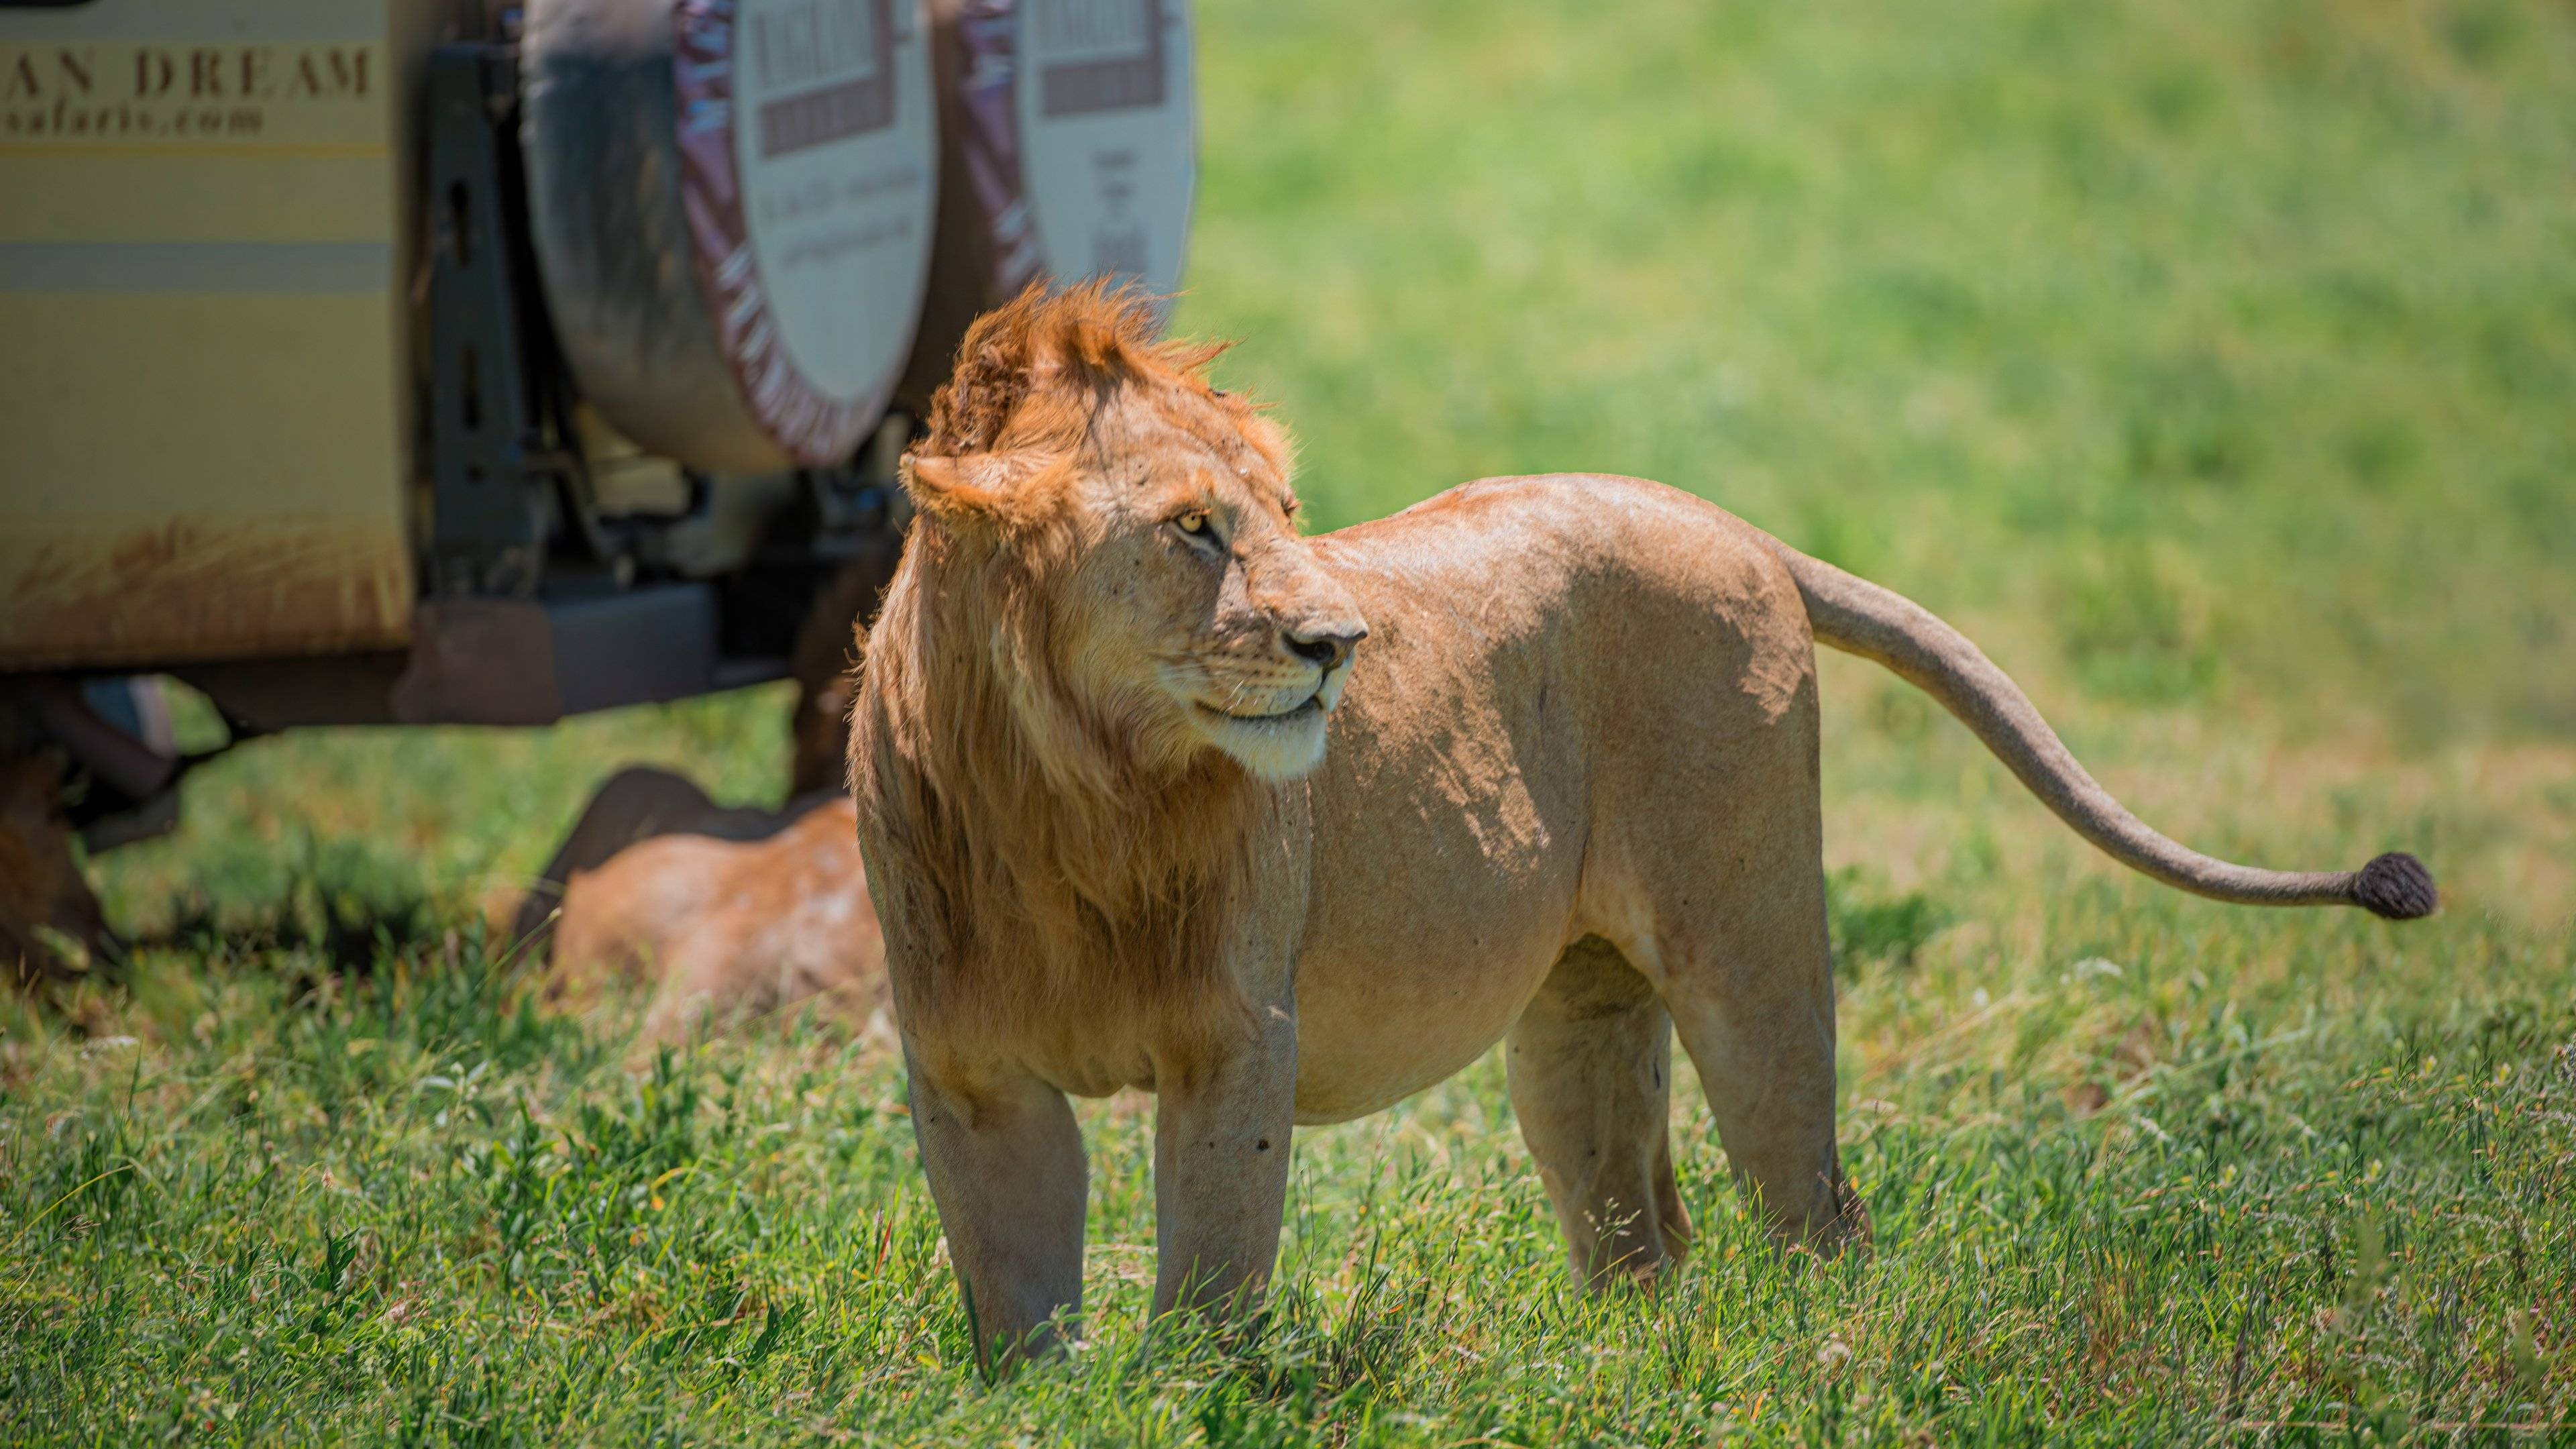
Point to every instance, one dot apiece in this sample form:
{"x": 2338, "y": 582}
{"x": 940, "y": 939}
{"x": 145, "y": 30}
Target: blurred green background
{"x": 2233, "y": 346}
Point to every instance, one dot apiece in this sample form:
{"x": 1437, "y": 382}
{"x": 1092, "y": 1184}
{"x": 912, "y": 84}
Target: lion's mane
{"x": 1020, "y": 812}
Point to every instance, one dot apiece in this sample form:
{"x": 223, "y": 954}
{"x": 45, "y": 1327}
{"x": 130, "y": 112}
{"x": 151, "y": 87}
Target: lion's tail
{"x": 1858, "y": 617}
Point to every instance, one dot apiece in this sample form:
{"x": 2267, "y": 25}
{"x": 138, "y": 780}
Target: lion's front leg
{"x": 1004, "y": 1158}
{"x": 1221, "y": 1166}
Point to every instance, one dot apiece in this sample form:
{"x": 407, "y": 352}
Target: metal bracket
{"x": 492, "y": 473}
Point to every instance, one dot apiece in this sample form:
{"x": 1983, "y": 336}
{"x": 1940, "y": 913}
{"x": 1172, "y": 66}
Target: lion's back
{"x": 1580, "y": 573}
{"x": 1550, "y": 535}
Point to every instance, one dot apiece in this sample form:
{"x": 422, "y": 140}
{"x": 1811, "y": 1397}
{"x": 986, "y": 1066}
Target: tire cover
{"x": 1109, "y": 136}
{"x": 731, "y": 203}
{"x": 1068, "y": 149}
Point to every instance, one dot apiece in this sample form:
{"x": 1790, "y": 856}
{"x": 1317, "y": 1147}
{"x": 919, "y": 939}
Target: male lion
{"x": 1569, "y": 802}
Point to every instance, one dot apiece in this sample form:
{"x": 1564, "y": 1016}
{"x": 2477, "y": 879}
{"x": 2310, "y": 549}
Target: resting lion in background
{"x": 51, "y": 926}
{"x": 724, "y": 913}
{"x": 1141, "y": 808}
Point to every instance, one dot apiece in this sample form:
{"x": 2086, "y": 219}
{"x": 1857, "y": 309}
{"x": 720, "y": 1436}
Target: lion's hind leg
{"x": 1591, "y": 1078}
{"x": 1747, "y": 976}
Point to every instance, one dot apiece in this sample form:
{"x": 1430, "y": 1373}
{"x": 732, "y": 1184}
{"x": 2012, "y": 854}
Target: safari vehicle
{"x": 438, "y": 361}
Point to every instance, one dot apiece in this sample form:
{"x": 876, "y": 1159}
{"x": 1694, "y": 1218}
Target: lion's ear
{"x": 940, "y": 485}
{"x": 992, "y": 489}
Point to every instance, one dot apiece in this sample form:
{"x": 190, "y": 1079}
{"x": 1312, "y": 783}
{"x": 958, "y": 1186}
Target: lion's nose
{"x": 1327, "y": 644}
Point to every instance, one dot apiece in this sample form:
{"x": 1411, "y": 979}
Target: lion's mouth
{"x": 1307, "y": 708}
{"x": 1278, "y": 745}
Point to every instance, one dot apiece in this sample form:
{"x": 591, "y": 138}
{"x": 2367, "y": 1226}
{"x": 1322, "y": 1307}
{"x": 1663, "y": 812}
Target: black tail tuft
{"x": 2396, "y": 886}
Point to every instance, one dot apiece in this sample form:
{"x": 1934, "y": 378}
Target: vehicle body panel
{"x": 204, "y": 210}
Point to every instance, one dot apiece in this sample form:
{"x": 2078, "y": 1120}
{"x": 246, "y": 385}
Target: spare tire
{"x": 1109, "y": 133}
{"x": 731, "y": 207}
{"x": 1068, "y": 149}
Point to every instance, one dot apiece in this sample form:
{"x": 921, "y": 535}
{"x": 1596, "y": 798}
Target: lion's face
{"x": 1198, "y": 590}
{"x": 1186, "y": 612}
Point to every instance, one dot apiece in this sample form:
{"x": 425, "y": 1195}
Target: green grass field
{"x": 2213, "y": 364}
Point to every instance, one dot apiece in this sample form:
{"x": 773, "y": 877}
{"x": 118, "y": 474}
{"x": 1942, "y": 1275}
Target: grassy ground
{"x": 2209, "y": 362}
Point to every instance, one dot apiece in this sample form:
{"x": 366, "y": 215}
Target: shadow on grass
{"x": 342, "y": 906}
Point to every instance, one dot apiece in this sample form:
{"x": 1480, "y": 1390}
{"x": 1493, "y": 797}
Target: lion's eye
{"x": 1195, "y": 524}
